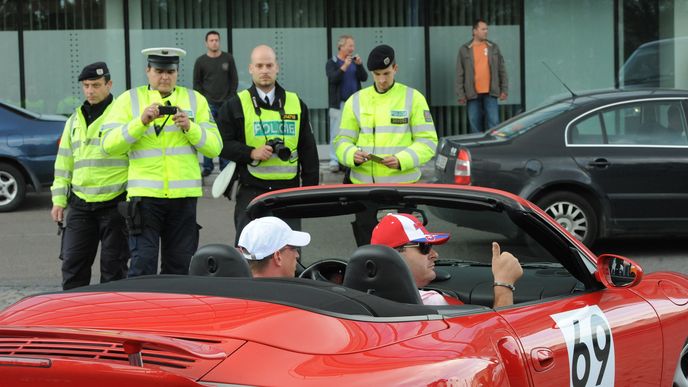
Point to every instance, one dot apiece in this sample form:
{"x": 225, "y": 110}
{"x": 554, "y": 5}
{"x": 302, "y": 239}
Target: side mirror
{"x": 618, "y": 271}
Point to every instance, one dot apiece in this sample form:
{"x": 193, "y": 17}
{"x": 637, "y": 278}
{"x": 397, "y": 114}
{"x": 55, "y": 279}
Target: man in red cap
{"x": 406, "y": 234}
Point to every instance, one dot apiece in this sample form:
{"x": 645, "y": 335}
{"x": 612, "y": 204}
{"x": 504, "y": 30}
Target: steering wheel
{"x": 328, "y": 270}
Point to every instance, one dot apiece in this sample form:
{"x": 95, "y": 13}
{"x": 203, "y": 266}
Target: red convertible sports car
{"x": 354, "y": 319}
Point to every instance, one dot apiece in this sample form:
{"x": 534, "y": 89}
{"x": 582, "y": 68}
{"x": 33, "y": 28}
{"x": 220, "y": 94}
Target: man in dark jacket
{"x": 345, "y": 72}
{"x": 266, "y": 131}
{"x": 481, "y": 79}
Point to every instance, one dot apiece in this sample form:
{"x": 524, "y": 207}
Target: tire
{"x": 574, "y": 213}
{"x": 681, "y": 373}
{"x": 12, "y": 187}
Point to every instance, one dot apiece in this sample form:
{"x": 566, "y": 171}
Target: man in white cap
{"x": 406, "y": 234}
{"x": 162, "y": 127}
{"x": 272, "y": 247}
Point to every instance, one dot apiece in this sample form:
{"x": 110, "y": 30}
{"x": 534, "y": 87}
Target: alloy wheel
{"x": 569, "y": 216}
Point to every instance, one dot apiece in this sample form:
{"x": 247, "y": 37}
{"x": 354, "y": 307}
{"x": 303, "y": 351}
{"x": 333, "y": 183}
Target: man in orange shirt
{"x": 481, "y": 79}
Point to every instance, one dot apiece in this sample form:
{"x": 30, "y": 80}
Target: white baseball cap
{"x": 262, "y": 237}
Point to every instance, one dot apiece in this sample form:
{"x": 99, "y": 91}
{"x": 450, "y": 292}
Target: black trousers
{"x": 87, "y": 226}
{"x": 169, "y": 227}
{"x": 244, "y": 195}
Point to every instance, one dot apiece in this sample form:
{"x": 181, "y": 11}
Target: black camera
{"x": 278, "y": 147}
{"x": 167, "y": 110}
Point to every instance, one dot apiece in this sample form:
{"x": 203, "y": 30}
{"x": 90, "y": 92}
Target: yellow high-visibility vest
{"x": 271, "y": 124}
{"x": 396, "y": 123}
{"x": 81, "y": 166}
{"x": 161, "y": 165}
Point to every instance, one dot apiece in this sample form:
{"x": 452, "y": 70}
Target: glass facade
{"x": 589, "y": 44}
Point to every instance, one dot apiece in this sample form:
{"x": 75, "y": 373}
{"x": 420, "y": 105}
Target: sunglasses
{"x": 424, "y": 248}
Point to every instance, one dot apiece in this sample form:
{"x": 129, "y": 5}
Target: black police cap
{"x": 380, "y": 58}
{"x": 94, "y": 71}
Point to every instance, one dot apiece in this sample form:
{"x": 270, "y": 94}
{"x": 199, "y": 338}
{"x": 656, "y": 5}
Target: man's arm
{"x": 361, "y": 73}
{"x": 64, "y": 167}
{"x": 347, "y": 136}
{"x": 423, "y": 134}
{"x": 503, "y": 78}
{"x": 202, "y": 132}
{"x": 231, "y": 124}
{"x": 506, "y": 271}
{"x": 308, "y": 151}
{"x": 120, "y": 130}
{"x": 233, "y": 76}
{"x": 198, "y": 76}
{"x": 460, "y": 74}
{"x": 334, "y": 72}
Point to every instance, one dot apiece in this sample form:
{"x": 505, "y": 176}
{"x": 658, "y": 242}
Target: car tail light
{"x": 462, "y": 168}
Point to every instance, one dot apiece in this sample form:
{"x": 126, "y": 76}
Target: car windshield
{"x": 472, "y": 230}
{"x": 524, "y": 122}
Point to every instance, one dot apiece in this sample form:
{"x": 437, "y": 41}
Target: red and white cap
{"x": 395, "y": 230}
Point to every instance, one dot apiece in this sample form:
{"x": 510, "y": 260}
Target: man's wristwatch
{"x": 504, "y": 284}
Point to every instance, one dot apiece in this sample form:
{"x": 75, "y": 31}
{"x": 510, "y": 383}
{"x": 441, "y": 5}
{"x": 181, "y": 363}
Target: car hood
{"x": 225, "y": 322}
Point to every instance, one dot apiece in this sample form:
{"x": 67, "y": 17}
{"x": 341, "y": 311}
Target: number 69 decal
{"x": 590, "y": 346}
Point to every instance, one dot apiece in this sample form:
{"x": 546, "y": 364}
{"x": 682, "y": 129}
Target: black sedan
{"x": 28, "y": 147}
{"x": 601, "y": 164}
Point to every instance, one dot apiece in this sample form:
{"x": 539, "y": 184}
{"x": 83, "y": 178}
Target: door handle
{"x": 542, "y": 358}
{"x": 600, "y": 163}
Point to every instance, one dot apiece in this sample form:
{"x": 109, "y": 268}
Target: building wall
{"x": 584, "y": 42}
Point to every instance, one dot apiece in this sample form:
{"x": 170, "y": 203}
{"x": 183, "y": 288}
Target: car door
{"x": 602, "y": 338}
{"x": 635, "y": 153}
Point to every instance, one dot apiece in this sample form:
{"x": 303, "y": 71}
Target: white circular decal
{"x": 590, "y": 346}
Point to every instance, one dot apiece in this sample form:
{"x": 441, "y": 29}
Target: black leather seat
{"x": 219, "y": 260}
{"x": 381, "y": 271}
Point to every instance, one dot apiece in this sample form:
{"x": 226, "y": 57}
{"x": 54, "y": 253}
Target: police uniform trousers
{"x": 89, "y": 224}
{"x": 169, "y": 227}
{"x": 244, "y": 195}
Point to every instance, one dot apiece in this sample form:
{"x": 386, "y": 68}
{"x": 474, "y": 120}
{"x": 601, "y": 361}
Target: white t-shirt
{"x": 431, "y": 297}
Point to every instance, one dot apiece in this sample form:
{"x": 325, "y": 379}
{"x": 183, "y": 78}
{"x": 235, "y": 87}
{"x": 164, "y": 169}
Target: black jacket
{"x": 231, "y": 124}
{"x": 334, "y": 79}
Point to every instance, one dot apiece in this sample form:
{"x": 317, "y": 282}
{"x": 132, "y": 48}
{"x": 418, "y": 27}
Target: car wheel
{"x": 12, "y": 187}
{"x": 574, "y": 213}
{"x": 681, "y": 374}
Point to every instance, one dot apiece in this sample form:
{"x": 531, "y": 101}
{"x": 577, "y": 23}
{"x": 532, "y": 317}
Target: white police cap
{"x": 165, "y": 58}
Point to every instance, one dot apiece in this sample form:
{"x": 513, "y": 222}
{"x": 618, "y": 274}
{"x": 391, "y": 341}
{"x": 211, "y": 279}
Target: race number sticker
{"x": 590, "y": 346}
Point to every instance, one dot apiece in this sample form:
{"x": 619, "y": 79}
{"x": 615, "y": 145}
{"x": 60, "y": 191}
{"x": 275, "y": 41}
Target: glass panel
{"x": 556, "y": 34}
{"x": 9, "y": 63}
{"x": 8, "y": 15}
{"x": 65, "y": 15}
{"x": 278, "y": 14}
{"x": 588, "y": 131}
{"x": 380, "y": 13}
{"x": 649, "y": 123}
{"x": 53, "y": 59}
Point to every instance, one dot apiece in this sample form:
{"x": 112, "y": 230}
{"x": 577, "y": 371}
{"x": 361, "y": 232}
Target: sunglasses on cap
{"x": 424, "y": 248}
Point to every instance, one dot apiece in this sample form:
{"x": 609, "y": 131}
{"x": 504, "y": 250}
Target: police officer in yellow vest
{"x": 162, "y": 127}
{"x": 386, "y": 133}
{"x": 266, "y": 131}
{"x": 91, "y": 184}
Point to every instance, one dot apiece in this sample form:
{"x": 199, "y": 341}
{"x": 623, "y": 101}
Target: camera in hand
{"x": 167, "y": 110}
{"x": 278, "y": 147}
